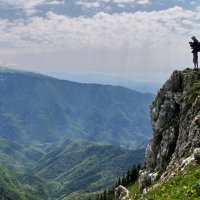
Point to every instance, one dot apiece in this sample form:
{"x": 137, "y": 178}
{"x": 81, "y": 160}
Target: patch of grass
{"x": 134, "y": 191}
{"x": 193, "y": 92}
{"x": 186, "y": 185}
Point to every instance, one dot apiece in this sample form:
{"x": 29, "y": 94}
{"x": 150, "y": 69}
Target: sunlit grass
{"x": 186, "y": 185}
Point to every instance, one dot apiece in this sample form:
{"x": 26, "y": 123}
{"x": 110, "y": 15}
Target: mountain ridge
{"x": 43, "y": 109}
{"x": 141, "y": 86}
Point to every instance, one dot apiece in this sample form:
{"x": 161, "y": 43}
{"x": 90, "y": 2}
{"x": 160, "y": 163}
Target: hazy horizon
{"x": 140, "y": 40}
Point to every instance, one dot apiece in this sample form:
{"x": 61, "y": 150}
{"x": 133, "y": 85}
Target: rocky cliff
{"x": 175, "y": 115}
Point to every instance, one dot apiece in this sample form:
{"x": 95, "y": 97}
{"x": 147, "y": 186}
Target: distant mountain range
{"x": 144, "y": 87}
{"x": 42, "y": 109}
{"x": 65, "y": 140}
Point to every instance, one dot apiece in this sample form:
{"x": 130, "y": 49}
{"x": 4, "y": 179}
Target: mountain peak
{"x": 175, "y": 116}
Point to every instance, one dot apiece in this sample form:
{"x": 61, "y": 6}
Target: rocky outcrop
{"x": 121, "y": 193}
{"x": 175, "y": 115}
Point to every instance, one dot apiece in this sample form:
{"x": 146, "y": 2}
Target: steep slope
{"x": 82, "y": 168}
{"x": 18, "y": 157}
{"x": 15, "y": 186}
{"x": 40, "y": 109}
{"x": 175, "y": 115}
{"x": 67, "y": 169}
{"x": 185, "y": 185}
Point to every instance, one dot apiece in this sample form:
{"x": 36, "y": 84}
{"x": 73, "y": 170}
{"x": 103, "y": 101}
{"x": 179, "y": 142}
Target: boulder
{"x": 121, "y": 193}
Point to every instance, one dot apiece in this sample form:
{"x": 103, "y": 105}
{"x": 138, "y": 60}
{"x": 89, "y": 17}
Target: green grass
{"x": 134, "y": 190}
{"x": 193, "y": 92}
{"x": 186, "y": 185}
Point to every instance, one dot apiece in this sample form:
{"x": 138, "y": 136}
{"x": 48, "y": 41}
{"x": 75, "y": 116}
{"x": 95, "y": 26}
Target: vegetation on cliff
{"x": 185, "y": 185}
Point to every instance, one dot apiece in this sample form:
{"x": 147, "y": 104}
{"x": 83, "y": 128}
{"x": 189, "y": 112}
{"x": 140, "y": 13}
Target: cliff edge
{"x": 175, "y": 115}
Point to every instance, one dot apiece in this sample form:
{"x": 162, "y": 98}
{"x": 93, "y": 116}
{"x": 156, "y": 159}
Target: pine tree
{"x": 104, "y": 195}
{"x": 97, "y": 197}
{"x": 119, "y": 181}
{"x": 113, "y": 191}
{"x": 134, "y": 174}
{"x": 123, "y": 180}
{"x": 128, "y": 176}
{"x": 139, "y": 166}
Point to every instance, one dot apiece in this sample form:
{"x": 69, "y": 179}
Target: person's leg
{"x": 194, "y": 61}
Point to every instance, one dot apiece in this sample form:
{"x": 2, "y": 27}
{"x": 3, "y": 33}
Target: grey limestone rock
{"x": 175, "y": 115}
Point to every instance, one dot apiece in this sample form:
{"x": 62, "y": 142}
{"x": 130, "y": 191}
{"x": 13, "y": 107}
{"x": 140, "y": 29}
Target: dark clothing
{"x": 195, "y": 58}
{"x": 195, "y": 45}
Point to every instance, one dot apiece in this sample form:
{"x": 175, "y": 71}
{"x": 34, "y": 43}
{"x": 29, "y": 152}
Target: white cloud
{"x": 55, "y": 2}
{"x": 143, "y": 2}
{"x": 102, "y": 40}
{"x": 125, "y": 30}
{"x": 88, "y": 4}
{"x": 29, "y": 6}
{"x": 123, "y": 1}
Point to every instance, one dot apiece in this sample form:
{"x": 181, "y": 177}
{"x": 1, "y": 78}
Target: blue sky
{"x": 136, "y": 39}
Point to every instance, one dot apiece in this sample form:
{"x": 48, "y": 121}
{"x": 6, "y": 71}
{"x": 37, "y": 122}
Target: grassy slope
{"x": 186, "y": 185}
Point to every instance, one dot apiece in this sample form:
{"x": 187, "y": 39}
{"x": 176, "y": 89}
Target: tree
{"x": 104, "y": 195}
{"x": 97, "y": 197}
{"x": 128, "y": 177}
{"x": 119, "y": 181}
{"x": 124, "y": 180}
{"x": 134, "y": 174}
{"x": 116, "y": 185}
{"x": 139, "y": 166}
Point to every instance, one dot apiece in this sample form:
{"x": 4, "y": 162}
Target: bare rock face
{"x": 175, "y": 115}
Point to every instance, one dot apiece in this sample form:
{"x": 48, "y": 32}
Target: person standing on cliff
{"x": 195, "y": 45}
